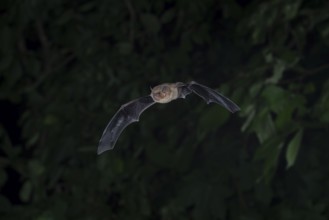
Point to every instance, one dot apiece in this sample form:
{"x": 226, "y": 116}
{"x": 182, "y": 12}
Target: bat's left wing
{"x": 210, "y": 95}
{"x": 127, "y": 114}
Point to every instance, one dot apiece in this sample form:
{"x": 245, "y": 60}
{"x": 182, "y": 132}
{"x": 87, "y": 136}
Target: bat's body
{"x": 164, "y": 93}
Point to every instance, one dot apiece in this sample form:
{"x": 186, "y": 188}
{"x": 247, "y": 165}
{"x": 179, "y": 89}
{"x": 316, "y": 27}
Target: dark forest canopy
{"x": 67, "y": 66}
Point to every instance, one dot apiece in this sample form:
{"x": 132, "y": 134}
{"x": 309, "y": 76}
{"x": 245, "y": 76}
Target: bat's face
{"x": 162, "y": 93}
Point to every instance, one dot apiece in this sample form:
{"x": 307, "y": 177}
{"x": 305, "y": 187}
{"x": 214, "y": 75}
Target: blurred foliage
{"x": 67, "y": 66}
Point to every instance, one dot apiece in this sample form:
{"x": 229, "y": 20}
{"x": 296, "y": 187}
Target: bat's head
{"x": 162, "y": 93}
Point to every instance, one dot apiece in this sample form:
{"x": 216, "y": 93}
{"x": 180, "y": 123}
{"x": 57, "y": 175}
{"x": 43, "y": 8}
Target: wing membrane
{"x": 210, "y": 95}
{"x": 126, "y": 115}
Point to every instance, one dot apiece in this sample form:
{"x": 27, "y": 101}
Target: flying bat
{"x": 164, "y": 93}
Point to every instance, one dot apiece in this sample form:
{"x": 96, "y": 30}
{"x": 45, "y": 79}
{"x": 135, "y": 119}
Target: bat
{"x": 164, "y": 93}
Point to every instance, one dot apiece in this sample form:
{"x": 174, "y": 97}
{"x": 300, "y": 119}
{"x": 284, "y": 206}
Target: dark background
{"x": 67, "y": 66}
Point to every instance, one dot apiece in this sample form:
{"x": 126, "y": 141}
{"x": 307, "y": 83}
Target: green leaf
{"x": 293, "y": 148}
{"x": 3, "y": 177}
{"x": 26, "y": 191}
{"x": 6, "y": 51}
{"x": 50, "y": 120}
{"x": 87, "y": 7}
{"x": 278, "y": 70}
{"x": 264, "y": 126}
{"x": 271, "y": 162}
{"x": 269, "y": 153}
{"x": 213, "y": 118}
{"x": 290, "y": 10}
{"x": 255, "y": 89}
{"x": 167, "y": 16}
{"x": 276, "y": 98}
{"x": 125, "y": 48}
{"x": 4, "y": 203}
{"x": 151, "y": 23}
{"x": 159, "y": 155}
{"x": 46, "y": 215}
{"x": 35, "y": 167}
{"x": 250, "y": 112}
{"x": 33, "y": 140}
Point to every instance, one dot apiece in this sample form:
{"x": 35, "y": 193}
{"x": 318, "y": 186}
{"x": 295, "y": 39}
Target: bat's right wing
{"x": 126, "y": 115}
{"x": 211, "y": 95}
